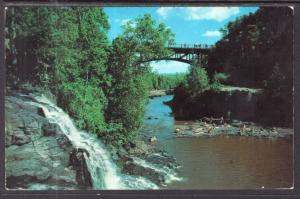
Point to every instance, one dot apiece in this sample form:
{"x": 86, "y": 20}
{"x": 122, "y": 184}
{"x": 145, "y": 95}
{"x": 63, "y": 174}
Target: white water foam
{"x": 169, "y": 174}
{"x": 104, "y": 172}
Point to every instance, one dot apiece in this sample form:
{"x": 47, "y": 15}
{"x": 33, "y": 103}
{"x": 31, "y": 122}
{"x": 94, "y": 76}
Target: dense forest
{"x": 103, "y": 85}
{"x": 256, "y": 51}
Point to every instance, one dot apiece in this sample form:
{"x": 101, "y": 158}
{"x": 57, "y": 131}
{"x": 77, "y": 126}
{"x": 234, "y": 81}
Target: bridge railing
{"x": 190, "y": 46}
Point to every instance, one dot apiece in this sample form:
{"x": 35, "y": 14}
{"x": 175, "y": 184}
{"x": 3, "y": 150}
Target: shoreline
{"x": 159, "y": 93}
{"x": 217, "y": 126}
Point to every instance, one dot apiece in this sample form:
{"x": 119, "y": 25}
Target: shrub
{"x": 218, "y": 80}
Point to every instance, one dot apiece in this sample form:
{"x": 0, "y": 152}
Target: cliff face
{"x": 232, "y": 104}
{"x": 38, "y": 155}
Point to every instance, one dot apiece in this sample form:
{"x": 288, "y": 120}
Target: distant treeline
{"x": 103, "y": 85}
{"x": 166, "y": 81}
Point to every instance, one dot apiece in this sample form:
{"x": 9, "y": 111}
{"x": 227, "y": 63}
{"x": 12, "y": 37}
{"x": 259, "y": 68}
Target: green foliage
{"x": 29, "y": 35}
{"x": 218, "y": 80}
{"x": 67, "y": 51}
{"x": 197, "y": 80}
{"x": 166, "y": 81}
{"x": 257, "y": 51}
{"x": 86, "y": 104}
{"x": 104, "y": 87}
{"x": 253, "y": 45}
{"x": 128, "y": 67}
{"x": 80, "y": 65}
{"x": 148, "y": 39}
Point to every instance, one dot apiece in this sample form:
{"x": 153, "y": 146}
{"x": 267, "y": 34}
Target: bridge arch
{"x": 187, "y": 53}
{"x": 171, "y": 59}
{"x": 169, "y": 66}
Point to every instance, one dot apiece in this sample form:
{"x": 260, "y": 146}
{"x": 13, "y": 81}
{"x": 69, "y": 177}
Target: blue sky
{"x": 190, "y": 24}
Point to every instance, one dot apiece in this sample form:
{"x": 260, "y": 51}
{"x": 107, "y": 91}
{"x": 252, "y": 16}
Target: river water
{"x": 224, "y": 162}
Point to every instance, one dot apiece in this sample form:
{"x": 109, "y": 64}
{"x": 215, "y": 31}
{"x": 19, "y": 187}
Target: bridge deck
{"x": 187, "y": 53}
{"x": 190, "y": 48}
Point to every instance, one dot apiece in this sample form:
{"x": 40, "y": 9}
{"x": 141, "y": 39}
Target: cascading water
{"x": 104, "y": 173}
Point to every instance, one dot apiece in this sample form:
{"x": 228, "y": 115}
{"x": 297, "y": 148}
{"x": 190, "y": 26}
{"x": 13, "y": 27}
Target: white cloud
{"x": 124, "y": 21}
{"x": 199, "y": 13}
{"x": 164, "y": 67}
{"x": 214, "y": 33}
{"x": 210, "y": 13}
{"x": 164, "y": 11}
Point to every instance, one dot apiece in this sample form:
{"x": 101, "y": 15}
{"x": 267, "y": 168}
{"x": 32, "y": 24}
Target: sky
{"x": 191, "y": 25}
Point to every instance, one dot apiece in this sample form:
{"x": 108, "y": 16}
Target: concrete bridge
{"x": 188, "y": 53}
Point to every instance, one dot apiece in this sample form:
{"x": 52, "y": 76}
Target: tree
{"x": 29, "y": 32}
{"x": 142, "y": 40}
{"x": 80, "y": 65}
{"x": 197, "y": 80}
{"x": 66, "y": 50}
{"x": 166, "y": 81}
{"x": 257, "y": 51}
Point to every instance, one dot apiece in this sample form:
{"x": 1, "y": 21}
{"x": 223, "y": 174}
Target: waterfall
{"x": 104, "y": 173}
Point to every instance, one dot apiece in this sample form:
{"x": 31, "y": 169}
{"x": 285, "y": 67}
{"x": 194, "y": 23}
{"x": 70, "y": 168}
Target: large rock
{"x": 38, "y": 155}
{"x": 78, "y": 162}
{"x": 157, "y": 167}
{"x": 138, "y": 170}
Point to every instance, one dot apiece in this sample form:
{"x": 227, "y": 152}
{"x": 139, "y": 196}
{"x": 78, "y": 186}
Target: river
{"x": 223, "y": 162}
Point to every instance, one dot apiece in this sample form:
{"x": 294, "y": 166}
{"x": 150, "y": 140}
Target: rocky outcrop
{"x": 229, "y": 104}
{"x": 160, "y": 168}
{"x": 38, "y": 155}
{"x": 232, "y": 103}
{"x": 142, "y": 158}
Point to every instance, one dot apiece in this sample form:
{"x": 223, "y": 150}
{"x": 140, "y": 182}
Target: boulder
{"x": 78, "y": 162}
{"x": 50, "y": 129}
{"x": 41, "y": 112}
{"x": 140, "y": 147}
{"x": 153, "y": 139}
{"x": 157, "y": 167}
{"x": 138, "y": 170}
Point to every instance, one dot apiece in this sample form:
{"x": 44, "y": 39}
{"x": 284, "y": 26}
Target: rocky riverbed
{"x": 218, "y": 126}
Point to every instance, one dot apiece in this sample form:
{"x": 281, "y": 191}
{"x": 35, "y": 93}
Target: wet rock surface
{"x": 218, "y": 126}
{"x": 38, "y": 155}
{"x": 143, "y": 159}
